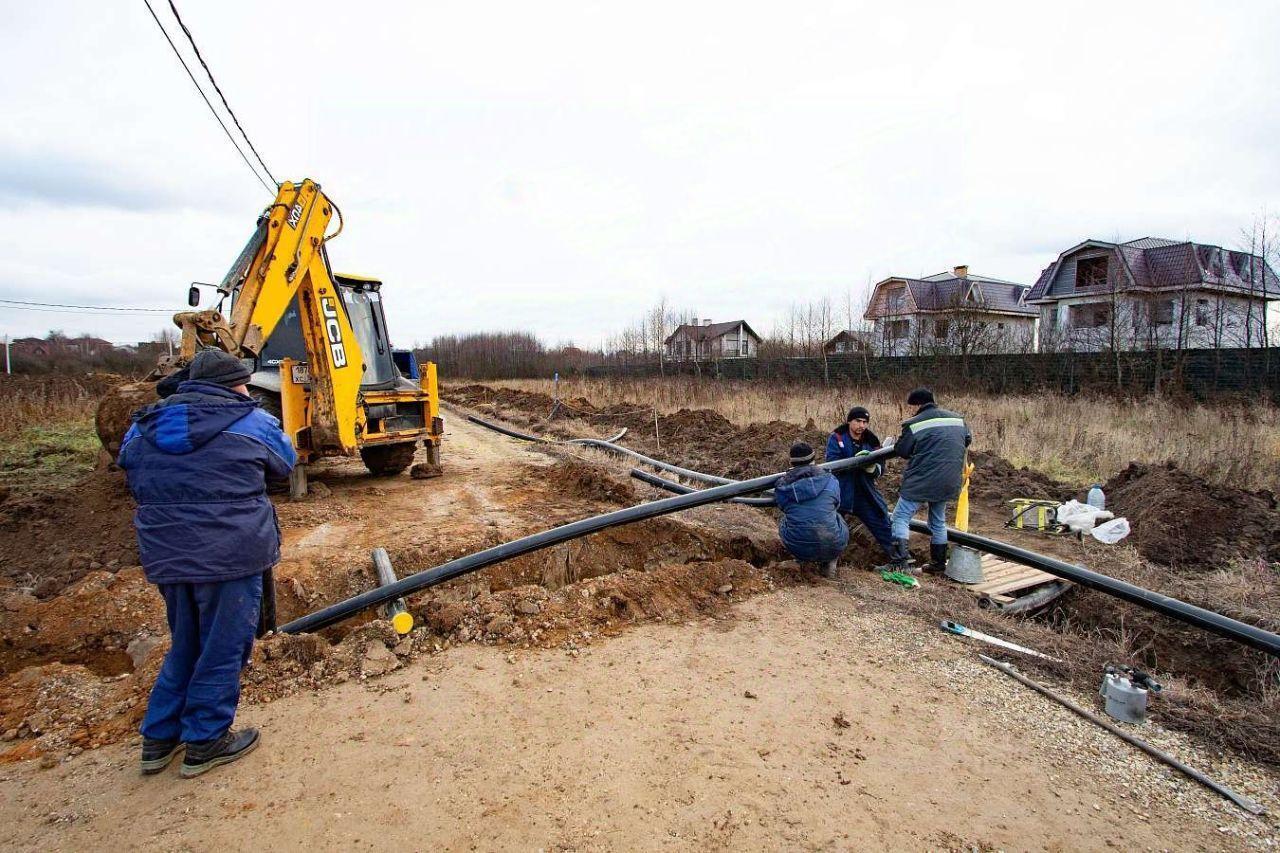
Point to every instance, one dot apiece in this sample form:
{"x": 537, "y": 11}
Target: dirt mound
{"x": 996, "y": 478}
{"x": 591, "y": 482}
{"x": 115, "y": 412}
{"x": 1180, "y": 520}
{"x": 51, "y": 539}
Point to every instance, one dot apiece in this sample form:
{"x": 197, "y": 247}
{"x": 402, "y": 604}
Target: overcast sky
{"x": 557, "y": 167}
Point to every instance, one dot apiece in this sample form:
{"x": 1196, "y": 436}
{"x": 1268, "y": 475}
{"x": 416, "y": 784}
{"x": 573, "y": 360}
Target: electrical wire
{"x": 16, "y": 303}
{"x": 218, "y": 89}
{"x": 205, "y": 98}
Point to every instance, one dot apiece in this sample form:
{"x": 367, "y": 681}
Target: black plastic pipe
{"x": 1208, "y": 620}
{"x": 463, "y": 565}
{"x": 681, "y": 489}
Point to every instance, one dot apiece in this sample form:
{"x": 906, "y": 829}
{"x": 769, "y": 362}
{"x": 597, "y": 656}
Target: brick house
{"x": 710, "y": 341}
{"x": 951, "y": 312}
{"x": 1153, "y": 293}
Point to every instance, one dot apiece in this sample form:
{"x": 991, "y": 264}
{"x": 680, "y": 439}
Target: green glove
{"x": 872, "y": 469}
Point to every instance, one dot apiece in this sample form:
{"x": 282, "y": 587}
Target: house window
{"x": 899, "y": 329}
{"x": 1203, "y": 314}
{"x": 746, "y": 346}
{"x": 999, "y": 325}
{"x": 1091, "y": 272}
{"x": 897, "y": 300}
{"x": 940, "y": 328}
{"x": 1091, "y": 316}
{"x": 1162, "y": 312}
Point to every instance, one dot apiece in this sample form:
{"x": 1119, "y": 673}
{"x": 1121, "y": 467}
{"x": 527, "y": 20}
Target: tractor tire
{"x": 386, "y": 460}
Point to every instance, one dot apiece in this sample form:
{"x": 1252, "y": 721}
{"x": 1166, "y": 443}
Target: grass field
{"x": 46, "y": 431}
{"x": 1079, "y": 439}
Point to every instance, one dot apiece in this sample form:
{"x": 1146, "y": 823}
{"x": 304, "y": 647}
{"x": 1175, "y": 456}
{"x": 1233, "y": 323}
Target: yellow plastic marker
{"x": 962, "y": 503}
{"x": 402, "y": 622}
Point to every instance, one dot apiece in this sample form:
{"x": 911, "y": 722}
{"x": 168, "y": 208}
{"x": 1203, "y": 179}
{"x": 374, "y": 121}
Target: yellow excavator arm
{"x": 286, "y": 259}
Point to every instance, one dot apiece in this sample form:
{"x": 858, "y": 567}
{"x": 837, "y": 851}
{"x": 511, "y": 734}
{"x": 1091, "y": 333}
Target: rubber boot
{"x": 204, "y": 756}
{"x": 828, "y": 569}
{"x": 937, "y": 559}
{"x": 899, "y": 559}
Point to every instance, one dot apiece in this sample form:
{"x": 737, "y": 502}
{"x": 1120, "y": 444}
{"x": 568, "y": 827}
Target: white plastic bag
{"x": 1081, "y": 517}
{"x": 1111, "y": 532}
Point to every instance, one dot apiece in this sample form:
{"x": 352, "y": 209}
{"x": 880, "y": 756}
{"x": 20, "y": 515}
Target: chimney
{"x": 706, "y": 322}
{"x": 961, "y": 271}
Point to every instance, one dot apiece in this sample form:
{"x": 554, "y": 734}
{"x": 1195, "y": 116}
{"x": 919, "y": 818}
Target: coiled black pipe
{"x": 470, "y": 563}
{"x": 1207, "y": 620}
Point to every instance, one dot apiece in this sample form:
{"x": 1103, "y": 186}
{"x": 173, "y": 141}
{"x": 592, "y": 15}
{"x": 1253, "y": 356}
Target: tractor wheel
{"x": 385, "y": 460}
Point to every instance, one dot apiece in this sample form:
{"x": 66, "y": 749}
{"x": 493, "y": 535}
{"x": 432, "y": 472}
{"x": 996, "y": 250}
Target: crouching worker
{"x": 197, "y": 463}
{"x": 859, "y": 496}
{"x": 811, "y": 527}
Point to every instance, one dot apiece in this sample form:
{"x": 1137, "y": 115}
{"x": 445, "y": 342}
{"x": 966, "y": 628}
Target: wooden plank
{"x": 993, "y": 574}
{"x": 1020, "y": 583}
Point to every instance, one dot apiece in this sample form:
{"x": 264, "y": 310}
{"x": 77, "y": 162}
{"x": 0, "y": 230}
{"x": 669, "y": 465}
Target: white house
{"x": 712, "y": 341}
{"x": 1153, "y": 293}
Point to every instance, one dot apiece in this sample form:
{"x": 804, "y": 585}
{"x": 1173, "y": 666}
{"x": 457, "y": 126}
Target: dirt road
{"x": 700, "y": 709}
{"x": 712, "y": 735}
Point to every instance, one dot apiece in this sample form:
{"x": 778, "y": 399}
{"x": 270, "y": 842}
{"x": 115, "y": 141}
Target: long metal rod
{"x": 1208, "y": 620}
{"x": 1239, "y": 799}
{"x": 506, "y": 551}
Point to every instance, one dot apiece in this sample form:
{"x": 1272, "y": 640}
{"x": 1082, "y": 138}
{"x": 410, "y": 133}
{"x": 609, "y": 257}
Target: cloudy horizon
{"x": 558, "y": 168}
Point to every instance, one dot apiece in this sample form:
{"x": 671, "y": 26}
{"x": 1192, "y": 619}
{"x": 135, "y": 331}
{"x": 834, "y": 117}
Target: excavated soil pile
{"x": 51, "y": 539}
{"x": 1180, "y": 520}
{"x": 590, "y": 482}
{"x": 996, "y": 478}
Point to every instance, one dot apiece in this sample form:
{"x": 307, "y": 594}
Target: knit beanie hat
{"x": 858, "y": 413}
{"x": 920, "y": 397}
{"x": 801, "y": 453}
{"x": 219, "y": 367}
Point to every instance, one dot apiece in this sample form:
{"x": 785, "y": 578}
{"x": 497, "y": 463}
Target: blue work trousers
{"x": 904, "y": 509}
{"x": 212, "y": 626}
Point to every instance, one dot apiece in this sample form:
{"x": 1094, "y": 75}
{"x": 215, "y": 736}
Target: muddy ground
{"x": 81, "y": 634}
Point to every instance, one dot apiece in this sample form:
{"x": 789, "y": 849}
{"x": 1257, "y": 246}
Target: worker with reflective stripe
{"x": 933, "y": 441}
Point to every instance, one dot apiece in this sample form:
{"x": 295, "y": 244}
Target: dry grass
{"x": 1078, "y": 439}
{"x": 46, "y": 430}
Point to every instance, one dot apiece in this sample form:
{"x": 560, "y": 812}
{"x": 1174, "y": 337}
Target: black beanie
{"x": 801, "y": 453}
{"x": 219, "y": 367}
{"x": 858, "y": 413}
{"x": 920, "y": 397}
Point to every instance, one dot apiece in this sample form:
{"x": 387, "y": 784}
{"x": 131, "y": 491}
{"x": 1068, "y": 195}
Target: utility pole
{"x": 8, "y": 368}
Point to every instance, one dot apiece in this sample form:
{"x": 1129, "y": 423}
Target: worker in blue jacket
{"x": 859, "y": 496}
{"x": 197, "y": 463}
{"x": 811, "y": 527}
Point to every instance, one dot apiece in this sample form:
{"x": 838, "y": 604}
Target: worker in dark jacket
{"x": 934, "y": 441}
{"x": 811, "y": 527}
{"x": 197, "y": 463}
{"x": 859, "y": 496}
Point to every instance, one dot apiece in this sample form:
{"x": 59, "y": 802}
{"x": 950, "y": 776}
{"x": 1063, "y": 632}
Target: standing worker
{"x": 811, "y": 527}
{"x": 859, "y": 496}
{"x": 197, "y": 463}
{"x": 934, "y": 441}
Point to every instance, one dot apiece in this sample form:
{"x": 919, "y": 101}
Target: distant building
{"x": 851, "y": 341}
{"x": 53, "y": 347}
{"x": 712, "y": 341}
{"x": 951, "y": 312}
{"x": 1153, "y": 293}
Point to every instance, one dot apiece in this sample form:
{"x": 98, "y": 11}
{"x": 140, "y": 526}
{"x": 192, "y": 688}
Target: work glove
{"x": 874, "y": 469}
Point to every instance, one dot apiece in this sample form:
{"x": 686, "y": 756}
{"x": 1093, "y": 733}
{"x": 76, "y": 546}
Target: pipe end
{"x": 402, "y": 622}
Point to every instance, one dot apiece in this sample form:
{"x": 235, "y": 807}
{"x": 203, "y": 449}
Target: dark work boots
{"x": 156, "y": 754}
{"x": 203, "y": 757}
{"x": 937, "y": 559}
{"x": 828, "y": 569}
{"x": 899, "y": 559}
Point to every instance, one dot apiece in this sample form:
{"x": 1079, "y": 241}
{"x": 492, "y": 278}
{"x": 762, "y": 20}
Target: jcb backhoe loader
{"x": 318, "y": 341}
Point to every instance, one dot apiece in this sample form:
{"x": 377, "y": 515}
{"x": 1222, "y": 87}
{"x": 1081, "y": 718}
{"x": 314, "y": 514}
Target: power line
{"x": 218, "y": 89}
{"x": 22, "y": 304}
{"x": 205, "y": 98}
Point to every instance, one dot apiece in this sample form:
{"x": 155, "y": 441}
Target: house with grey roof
{"x": 951, "y": 312}
{"x": 1153, "y": 293}
{"x": 708, "y": 341}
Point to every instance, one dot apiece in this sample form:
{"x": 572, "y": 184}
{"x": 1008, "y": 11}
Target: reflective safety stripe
{"x": 936, "y": 422}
